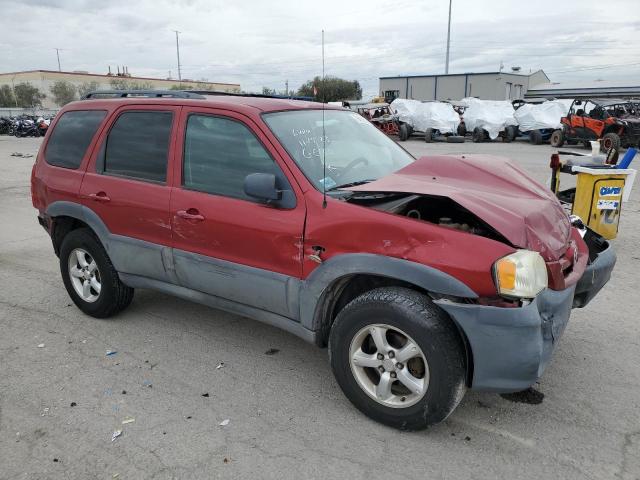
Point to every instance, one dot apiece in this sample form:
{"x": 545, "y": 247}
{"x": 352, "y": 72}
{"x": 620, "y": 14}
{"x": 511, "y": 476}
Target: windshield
{"x": 356, "y": 151}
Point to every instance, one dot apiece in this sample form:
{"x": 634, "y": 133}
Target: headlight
{"x": 522, "y": 274}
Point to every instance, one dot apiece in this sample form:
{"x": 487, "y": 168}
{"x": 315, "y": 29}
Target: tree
{"x": 87, "y": 87}
{"x": 6, "y": 97}
{"x": 124, "y": 84}
{"x": 332, "y": 89}
{"x": 28, "y": 96}
{"x": 63, "y": 92}
{"x": 269, "y": 91}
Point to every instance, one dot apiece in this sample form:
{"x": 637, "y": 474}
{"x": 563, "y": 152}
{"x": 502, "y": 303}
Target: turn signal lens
{"x": 522, "y": 274}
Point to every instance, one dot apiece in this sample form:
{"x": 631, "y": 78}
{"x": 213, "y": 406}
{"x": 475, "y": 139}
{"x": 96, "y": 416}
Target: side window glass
{"x": 138, "y": 145}
{"x": 71, "y": 137}
{"x": 219, "y": 153}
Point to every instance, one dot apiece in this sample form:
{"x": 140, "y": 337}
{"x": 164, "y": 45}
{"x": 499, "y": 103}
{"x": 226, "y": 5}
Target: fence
{"x": 15, "y": 112}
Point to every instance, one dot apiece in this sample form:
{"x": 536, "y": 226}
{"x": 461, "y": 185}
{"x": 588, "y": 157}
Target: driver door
{"x": 225, "y": 243}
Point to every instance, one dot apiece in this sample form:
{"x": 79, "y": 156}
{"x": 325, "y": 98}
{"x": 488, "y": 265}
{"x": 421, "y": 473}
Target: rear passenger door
{"x": 127, "y": 186}
{"x": 225, "y": 243}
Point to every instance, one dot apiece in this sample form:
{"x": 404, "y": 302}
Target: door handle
{"x": 190, "y": 214}
{"x": 99, "y": 197}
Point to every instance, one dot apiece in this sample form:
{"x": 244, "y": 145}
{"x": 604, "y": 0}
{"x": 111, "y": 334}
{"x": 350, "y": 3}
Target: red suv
{"x": 423, "y": 277}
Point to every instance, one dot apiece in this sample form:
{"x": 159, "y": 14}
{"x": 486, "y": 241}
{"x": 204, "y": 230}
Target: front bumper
{"x": 511, "y": 347}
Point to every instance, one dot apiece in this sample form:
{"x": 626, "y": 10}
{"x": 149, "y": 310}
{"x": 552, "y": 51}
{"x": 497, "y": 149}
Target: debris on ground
{"x": 147, "y": 383}
{"x": 468, "y": 439}
{"x": 111, "y": 352}
{"x": 45, "y": 412}
{"x": 271, "y": 351}
{"x": 530, "y": 396}
{"x": 128, "y": 420}
{"x": 41, "y": 345}
{"x": 115, "y": 435}
{"x": 23, "y": 155}
{"x": 74, "y": 404}
{"x": 225, "y": 460}
{"x": 206, "y": 395}
{"x": 224, "y": 423}
{"x": 55, "y": 460}
{"x": 124, "y": 392}
{"x": 220, "y": 365}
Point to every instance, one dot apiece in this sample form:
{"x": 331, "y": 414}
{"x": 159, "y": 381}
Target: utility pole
{"x": 286, "y": 87}
{"x": 58, "y": 55}
{"x": 178, "y": 52}
{"x": 446, "y": 65}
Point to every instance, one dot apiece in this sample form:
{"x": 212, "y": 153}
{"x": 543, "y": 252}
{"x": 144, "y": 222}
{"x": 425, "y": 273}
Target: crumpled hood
{"x": 522, "y": 210}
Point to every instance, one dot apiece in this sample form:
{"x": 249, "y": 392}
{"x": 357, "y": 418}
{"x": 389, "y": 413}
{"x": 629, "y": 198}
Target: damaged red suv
{"x": 423, "y": 277}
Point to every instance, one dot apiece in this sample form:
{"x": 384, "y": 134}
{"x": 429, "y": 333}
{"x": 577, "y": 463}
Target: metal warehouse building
{"x": 595, "y": 89}
{"x": 45, "y": 79}
{"x": 486, "y": 86}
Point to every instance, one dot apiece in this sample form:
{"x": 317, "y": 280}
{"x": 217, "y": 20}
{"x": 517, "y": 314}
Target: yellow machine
{"x": 597, "y": 198}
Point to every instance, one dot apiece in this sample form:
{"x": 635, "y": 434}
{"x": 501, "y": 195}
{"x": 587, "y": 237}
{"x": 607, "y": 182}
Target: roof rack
{"x": 257, "y": 95}
{"x": 142, "y": 93}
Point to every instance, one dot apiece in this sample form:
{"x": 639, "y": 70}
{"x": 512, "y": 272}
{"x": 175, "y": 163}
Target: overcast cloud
{"x": 264, "y": 43}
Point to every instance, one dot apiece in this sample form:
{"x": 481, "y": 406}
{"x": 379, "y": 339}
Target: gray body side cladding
{"x": 340, "y": 266}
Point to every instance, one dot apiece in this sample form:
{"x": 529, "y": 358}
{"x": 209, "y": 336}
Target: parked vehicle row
{"x": 615, "y": 122}
{"x": 24, "y": 126}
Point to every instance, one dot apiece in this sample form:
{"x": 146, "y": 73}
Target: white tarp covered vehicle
{"x": 539, "y": 117}
{"x": 492, "y": 116}
{"x": 436, "y": 116}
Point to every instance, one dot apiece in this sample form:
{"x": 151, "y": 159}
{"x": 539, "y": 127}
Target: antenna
{"x": 324, "y": 137}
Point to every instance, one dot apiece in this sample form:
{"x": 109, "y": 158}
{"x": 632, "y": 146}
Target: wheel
{"x": 535, "y": 137}
{"x": 557, "y": 138}
{"x": 609, "y": 141}
{"x": 455, "y": 139}
{"x": 478, "y": 135}
{"x": 428, "y": 135}
{"x": 398, "y": 358}
{"x": 509, "y": 134}
{"x": 403, "y": 132}
{"x": 89, "y": 277}
{"x": 462, "y": 130}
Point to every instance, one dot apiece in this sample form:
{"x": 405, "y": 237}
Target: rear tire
{"x": 81, "y": 256}
{"x": 557, "y": 138}
{"x": 403, "y": 132}
{"x": 535, "y": 137}
{"x": 609, "y": 141}
{"x": 428, "y": 135}
{"x": 478, "y": 135}
{"x": 380, "y": 323}
{"x": 509, "y": 134}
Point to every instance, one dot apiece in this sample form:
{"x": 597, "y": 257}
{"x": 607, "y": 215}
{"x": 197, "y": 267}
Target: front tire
{"x": 398, "y": 358}
{"x": 478, "y": 135}
{"x": 535, "y": 137}
{"x": 403, "y": 132}
{"x": 89, "y": 276}
{"x": 428, "y": 135}
{"x": 610, "y": 141}
{"x": 557, "y": 138}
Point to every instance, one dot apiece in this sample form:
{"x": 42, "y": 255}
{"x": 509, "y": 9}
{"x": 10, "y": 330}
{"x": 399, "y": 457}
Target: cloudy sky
{"x": 264, "y": 43}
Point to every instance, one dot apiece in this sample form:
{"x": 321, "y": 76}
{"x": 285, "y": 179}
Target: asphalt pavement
{"x": 199, "y": 393}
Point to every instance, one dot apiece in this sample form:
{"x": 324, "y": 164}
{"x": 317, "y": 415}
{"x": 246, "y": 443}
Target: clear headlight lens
{"x": 522, "y": 274}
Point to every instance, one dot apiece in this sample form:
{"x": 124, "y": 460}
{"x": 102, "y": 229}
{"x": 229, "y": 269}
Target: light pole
{"x": 58, "y": 55}
{"x": 446, "y": 64}
{"x": 178, "y": 53}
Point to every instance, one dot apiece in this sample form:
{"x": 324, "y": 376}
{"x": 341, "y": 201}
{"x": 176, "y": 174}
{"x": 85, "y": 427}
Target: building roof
{"x": 461, "y": 74}
{"x": 595, "y": 88}
{"x": 115, "y": 77}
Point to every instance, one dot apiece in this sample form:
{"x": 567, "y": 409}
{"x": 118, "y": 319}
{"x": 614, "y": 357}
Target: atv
{"x": 615, "y": 122}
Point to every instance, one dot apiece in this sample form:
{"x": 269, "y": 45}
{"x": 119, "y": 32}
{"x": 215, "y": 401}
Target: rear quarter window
{"x": 71, "y": 137}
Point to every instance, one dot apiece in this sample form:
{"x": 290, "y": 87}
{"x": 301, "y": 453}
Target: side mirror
{"x": 262, "y": 186}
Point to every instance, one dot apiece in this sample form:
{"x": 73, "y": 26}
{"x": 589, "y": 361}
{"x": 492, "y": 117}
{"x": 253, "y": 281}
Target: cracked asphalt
{"x": 62, "y": 397}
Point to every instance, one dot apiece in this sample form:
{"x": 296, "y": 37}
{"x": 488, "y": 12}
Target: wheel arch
{"x": 68, "y": 216}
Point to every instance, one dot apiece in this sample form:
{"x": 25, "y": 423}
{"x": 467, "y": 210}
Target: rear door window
{"x": 138, "y": 146}
{"x": 71, "y": 137}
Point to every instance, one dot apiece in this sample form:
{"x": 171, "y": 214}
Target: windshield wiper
{"x": 350, "y": 184}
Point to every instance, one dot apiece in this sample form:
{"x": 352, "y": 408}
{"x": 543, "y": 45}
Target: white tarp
{"x": 537, "y": 117}
{"x": 437, "y": 115}
{"x": 491, "y": 115}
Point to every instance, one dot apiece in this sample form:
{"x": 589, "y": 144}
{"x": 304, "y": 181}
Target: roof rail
{"x": 257, "y": 95}
{"x": 142, "y": 93}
